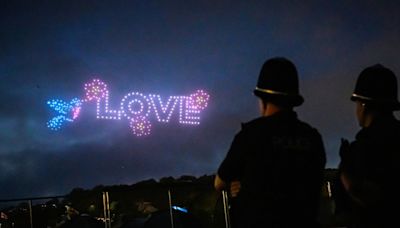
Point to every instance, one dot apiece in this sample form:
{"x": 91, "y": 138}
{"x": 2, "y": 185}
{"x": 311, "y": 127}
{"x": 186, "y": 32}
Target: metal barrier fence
{"x": 170, "y": 210}
{"x": 28, "y": 212}
{"x": 29, "y": 201}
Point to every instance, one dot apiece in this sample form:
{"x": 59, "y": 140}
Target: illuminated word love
{"x": 134, "y": 106}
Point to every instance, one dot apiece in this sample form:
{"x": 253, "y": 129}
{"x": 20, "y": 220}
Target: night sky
{"x": 49, "y": 49}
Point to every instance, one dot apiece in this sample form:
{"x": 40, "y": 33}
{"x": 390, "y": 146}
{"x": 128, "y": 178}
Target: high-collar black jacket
{"x": 279, "y": 161}
{"x": 371, "y": 163}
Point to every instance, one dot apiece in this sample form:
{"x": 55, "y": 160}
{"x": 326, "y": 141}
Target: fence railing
{"x": 29, "y": 202}
{"x": 112, "y": 209}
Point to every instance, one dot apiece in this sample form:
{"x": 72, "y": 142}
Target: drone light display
{"x": 135, "y": 107}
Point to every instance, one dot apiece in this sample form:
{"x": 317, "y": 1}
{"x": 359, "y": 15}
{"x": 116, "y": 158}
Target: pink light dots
{"x": 75, "y": 112}
{"x": 95, "y": 90}
{"x": 199, "y": 100}
{"x": 140, "y": 126}
{"x": 138, "y": 107}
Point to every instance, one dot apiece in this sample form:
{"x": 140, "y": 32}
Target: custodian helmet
{"x": 278, "y": 82}
{"x": 377, "y": 85}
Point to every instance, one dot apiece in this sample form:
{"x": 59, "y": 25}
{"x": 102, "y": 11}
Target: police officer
{"x": 277, "y": 159}
{"x": 369, "y": 165}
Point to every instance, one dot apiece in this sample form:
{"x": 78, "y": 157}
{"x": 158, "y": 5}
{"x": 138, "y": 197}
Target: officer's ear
{"x": 262, "y": 104}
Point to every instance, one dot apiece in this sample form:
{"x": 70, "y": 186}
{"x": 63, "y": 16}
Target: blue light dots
{"x": 67, "y": 112}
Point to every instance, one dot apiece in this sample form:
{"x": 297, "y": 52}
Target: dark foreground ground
{"x": 144, "y": 204}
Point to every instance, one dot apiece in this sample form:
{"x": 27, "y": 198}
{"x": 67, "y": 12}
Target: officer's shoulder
{"x": 307, "y": 127}
{"x": 254, "y": 123}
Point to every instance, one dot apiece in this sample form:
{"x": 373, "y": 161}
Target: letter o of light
{"x": 134, "y": 105}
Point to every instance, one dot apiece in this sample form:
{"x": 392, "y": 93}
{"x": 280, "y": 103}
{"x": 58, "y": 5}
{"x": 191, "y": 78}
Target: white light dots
{"x": 163, "y": 112}
{"x": 134, "y": 106}
{"x": 188, "y": 112}
{"x": 103, "y": 111}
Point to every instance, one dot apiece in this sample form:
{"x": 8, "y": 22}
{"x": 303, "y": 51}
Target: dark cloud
{"x": 121, "y": 159}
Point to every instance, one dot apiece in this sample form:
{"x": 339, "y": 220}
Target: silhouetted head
{"x": 278, "y": 83}
{"x": 376, "y": 87}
